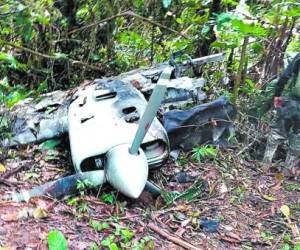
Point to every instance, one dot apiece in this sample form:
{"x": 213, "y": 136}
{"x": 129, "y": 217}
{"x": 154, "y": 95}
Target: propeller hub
{"x": 127, "y": 172}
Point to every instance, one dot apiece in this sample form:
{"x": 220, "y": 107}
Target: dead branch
{"x": 9, "y": 183}
{"x": 16, "y": 170}
{"x": 37, "y": 53}
{"x": 172, "y": 238}
{"x": 132, "y": 14}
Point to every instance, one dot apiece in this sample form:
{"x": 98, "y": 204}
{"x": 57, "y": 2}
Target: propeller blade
{"x": 151, "y": 110}
{"x": 61, "y": 187}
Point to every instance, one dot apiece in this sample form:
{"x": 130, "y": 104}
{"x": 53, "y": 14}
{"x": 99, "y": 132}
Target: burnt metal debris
{"x": 39, "y": 121}
{"x": 111, "y": 109}
{"x": 205, "y": 123}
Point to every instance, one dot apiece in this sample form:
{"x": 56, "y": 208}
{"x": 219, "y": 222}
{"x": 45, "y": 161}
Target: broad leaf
{"x": 57, "y": 241}
{"x": 50, "y": 144}
{"x": 285, "y": 210}
{"x": 8, "y": 58}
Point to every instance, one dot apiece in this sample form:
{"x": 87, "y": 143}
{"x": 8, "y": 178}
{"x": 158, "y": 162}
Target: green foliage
{"x": 94, "y": 246}
{"x": 57, "y": 241}
{"x": 190, "y": 194}
{"x": 120, "y": 237}
{"x": 83, "y": 186}
{"x": 45, "y": 47}
{"x": 50, "y": 144}
{"x": 109, "y": 242}
{"x": 238, "y": 195}
{"x": 10, "y": 95}
{"x": 8, "y": 58}
{"x": 98, "y": 226}
{"x": 266, "y": 236}
{"x": 108, "y": 198}
{"x": 199, "y": 153}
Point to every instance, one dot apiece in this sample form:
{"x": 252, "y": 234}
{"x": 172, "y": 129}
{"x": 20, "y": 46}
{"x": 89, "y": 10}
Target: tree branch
{"x": 172, "y": 238}
{"x": 72, "y": 61}
{"x": 128, "y": 13}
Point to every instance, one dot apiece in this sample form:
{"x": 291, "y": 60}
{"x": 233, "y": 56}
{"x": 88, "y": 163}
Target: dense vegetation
{"x": 47, "y": 45}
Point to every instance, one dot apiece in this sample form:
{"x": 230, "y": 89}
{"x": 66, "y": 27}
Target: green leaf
{"x": 60, "y": 56}
{"x": 27, "y": 31}
{"x": 50, "y": 144}
{"x": 246, "y": 28}
{"x": 205, "y": 30}
{"x": 8, "y": 58}
{"x": 179, "y": 20}
{"x": 105, "y": 225}
{"x": 269, "y": 198}
{"x": 285, "y": 247}
{"x": 42, "y": 87}
{"x": 297, "y": 246}
{"x": 113, "y": 246}
{"x": 285, "y": 210}
{"x": 293, "y": 12}
{"x": 95, "y": 225}
{"x": 108, "y": 241}
{"x": 57, "y": 241}
{"x": 223, "y": 19}
{"x": 127, "y": 234}
{"x": 95, "y": 57}
{"x": 108, "y": 198}
{"x": 14, "y": 98}
{"x": 93, "y": 246}
{"x": 166, "y": 3}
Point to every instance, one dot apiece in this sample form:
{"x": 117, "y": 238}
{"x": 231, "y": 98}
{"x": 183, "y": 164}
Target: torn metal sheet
{"x": 179, "y": 89}
{"x": 183, "y": 89}
{"x": 36, "y": 121}
{"x": 202, "y": 124}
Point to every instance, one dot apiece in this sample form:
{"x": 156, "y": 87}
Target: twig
{"x": 9, "y": 183}
{"x": 247, "y": 147}
{"x": 12, "y": 172}
{"x": 72, "y": 61}
{"x": 172, "y": 238}
{"x": 128, "y": 13}
{"x": 279, "y": 239}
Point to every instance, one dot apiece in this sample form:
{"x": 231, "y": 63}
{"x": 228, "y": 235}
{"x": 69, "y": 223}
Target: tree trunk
{"x": 238, "y": 78}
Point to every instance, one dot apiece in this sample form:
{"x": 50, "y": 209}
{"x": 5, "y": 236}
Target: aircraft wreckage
{"x": 114, "y": 134}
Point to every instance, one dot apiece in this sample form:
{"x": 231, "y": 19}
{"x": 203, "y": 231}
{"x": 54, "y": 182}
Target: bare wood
{"x": 238, "y": 78}
{"x": 172, "y": 238}
{"x": 132, "y": 14}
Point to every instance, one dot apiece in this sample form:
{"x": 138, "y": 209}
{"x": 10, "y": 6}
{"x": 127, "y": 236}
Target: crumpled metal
{"x": 205, "y": 123}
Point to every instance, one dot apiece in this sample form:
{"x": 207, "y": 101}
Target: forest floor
{"x": 239, "y": 207}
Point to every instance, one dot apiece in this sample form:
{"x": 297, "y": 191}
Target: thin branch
{"x": 172, "y": 238}
{"x": 72, "y": 61}
{"x": 128, "y": 13}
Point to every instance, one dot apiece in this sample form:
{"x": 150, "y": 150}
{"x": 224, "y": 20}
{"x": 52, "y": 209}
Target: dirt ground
{"x": 238, "y": 206}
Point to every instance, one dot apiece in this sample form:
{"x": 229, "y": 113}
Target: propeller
{"x": 127, "y": 166}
